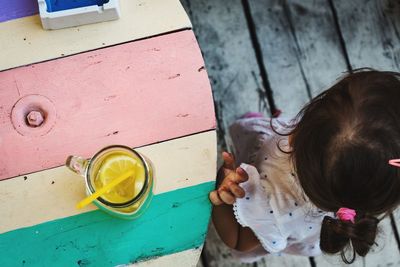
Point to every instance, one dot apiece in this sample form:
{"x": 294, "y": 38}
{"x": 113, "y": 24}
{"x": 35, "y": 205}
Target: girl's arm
{"x": 230, "y": 231}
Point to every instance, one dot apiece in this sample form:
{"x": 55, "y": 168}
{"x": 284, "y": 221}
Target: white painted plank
{"x": 52, "y": 194}
{"x": 187, "y": 258}
{"x": 23, "y": 41}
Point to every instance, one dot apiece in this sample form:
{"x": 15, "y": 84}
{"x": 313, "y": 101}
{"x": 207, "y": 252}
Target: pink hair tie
{"x": 345, "y": 214}
{"x": 395, "y": 162}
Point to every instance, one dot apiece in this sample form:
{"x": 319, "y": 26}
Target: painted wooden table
{"x": 138, "y": 81}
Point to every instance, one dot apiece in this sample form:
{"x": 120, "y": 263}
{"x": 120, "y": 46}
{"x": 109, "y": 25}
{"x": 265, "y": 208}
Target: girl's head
{"x": 341, "y": 145}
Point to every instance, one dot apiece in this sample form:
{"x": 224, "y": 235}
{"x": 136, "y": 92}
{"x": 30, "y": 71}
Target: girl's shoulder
{"x": 252, "y": 137}
{"x": 264, "y": 144}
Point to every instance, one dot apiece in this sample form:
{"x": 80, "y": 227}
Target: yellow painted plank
{"x": 52, "y": 194}
{"x": 24, "y": 41}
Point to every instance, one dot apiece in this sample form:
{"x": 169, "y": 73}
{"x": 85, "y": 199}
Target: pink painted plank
{"x": 134, "y": 94}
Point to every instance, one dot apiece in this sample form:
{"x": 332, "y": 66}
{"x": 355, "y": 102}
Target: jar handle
{"x": 77, "y": 164}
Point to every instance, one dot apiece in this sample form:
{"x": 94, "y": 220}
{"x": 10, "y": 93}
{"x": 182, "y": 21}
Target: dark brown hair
{"x": 341, "y": 145}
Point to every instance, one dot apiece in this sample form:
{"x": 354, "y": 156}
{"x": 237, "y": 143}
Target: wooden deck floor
{"x": 264, "y": 55}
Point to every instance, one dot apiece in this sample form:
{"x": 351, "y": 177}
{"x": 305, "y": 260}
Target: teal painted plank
{"x": 175, "y": 221}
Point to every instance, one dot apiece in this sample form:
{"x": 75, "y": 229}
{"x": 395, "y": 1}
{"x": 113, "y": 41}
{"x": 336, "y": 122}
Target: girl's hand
{"x": 228, "y": 180}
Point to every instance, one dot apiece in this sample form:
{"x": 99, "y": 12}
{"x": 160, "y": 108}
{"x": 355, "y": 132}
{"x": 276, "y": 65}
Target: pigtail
{"x": 339, "y": 236}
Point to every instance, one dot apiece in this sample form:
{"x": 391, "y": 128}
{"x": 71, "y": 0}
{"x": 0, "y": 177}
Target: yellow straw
{"x": 104, "y": 189}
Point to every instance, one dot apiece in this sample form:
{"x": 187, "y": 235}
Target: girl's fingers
{"x": 229, "y": 160}
{"x": 226, "y": 197}
{"x": 240, "y": 176}
{"x": 215, "y": 199}
{"x": 236, "y": 190}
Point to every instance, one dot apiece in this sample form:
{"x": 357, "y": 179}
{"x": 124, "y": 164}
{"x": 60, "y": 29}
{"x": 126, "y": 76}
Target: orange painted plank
{"x": 134, "y": 94}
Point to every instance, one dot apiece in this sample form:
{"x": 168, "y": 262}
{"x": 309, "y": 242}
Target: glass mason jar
{"x": 89, "y": 169}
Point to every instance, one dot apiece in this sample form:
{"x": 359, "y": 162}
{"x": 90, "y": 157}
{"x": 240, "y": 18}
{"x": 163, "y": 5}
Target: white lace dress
{"x": 275, "y": 207}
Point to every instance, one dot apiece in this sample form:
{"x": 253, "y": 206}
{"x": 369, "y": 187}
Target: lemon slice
{"x": 114, "y": 166}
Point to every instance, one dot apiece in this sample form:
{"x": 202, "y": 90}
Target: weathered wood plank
{"x": 385, "y": 254}
{"x": 371, "y": 31}
{"x": 387, "y": 251}
{"x": 218, "y": 254}
{"x": 318, "y": 47}
{"x": 219, "y": 250}
{"x": 279, "y": 53}
{"x": 200, "y": 262}
{"x": 103, "y": 97}
{"x": 284, "y": 261}
{"x": 224, "y": 39}
{"x": 301, "y": 49}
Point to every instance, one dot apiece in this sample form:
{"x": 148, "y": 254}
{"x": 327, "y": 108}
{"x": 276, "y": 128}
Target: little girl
{"x": 321, "y": 182}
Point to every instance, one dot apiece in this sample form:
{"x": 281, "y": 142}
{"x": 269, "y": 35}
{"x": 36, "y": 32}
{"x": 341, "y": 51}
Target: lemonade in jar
{"x": 126, "y": 198}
